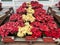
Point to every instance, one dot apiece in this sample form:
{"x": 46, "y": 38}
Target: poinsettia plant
{"x": 58, "y": 5}
{"x": 31, "y": 20}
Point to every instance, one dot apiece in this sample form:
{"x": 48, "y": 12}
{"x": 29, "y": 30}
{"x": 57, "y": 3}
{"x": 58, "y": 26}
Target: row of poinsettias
{"x": 31, "y": 19}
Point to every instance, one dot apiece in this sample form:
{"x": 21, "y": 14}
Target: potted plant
{"x": 58, "y": 5}
{"x": 0, "y": 6}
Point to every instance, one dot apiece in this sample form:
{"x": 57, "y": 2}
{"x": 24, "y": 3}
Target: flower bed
{"x": 30, "y": 21}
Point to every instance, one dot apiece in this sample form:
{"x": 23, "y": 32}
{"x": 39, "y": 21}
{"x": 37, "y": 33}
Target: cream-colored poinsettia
{"x": 30, "y": 10}
{"x": 23, "y": 30}
{"x": 28, "y": 17}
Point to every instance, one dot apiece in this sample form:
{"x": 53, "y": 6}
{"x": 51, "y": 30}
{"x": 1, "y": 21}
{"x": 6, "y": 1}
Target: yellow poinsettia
{"x": 30, "y": 10}
{"x": 28, "y": 17}
{"x": 31, "y": 17}
{"x": 28, "y": 4}
{"x": 20, "y": 34}
{"x": 23, "y": 30}
{"x": 24, "y": 17}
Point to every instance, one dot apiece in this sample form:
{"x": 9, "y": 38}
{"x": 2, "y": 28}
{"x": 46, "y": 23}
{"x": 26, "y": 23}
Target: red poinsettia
{"x": 15, "y": 17}
{"x": 21, "y": 10}
{"x": 53, "y": 33}
{"x": 52, "y": 25}
{"x": 48, "y": 18}
{"x": 24, "y": 5}
{"x": 9, "y": 27}
{"x": 36, "y": 32}
{"x": 35, "y": 5}
{"x": 58, "y": 32}
{"x": 38, "y": 18}
{"x": 36, "y": 24}
{"x": 44, "y": 27}
{"x": 40, "y": 10}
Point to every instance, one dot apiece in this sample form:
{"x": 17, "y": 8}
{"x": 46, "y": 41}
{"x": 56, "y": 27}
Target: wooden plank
{"x": 6, "y": 12}
{"x": 23, "y": 39}
{"x": 26, "y": 43}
